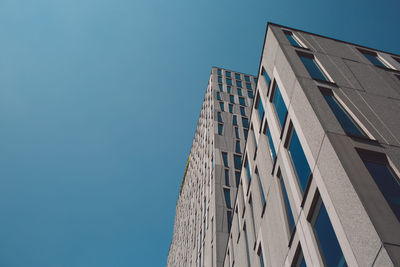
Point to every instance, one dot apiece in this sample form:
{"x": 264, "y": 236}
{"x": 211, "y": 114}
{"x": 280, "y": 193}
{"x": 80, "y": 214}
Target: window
{"x": 219, "y": 71}
{"x": 345, "y": 120}
{"x": 219, "y": 79}
{"x": 271, "y": 143}
{"x": 238, "y": 83}
{"x": 260, "y": 256}
{"x": 299, "y": 160}
{"x": 260, "y": 108}
{"x": 237, "y": 147}
{"x": 248, "y": 172}
{"x": 237, "y": 178}
{"x": 227, "y": 194}
{"x": 248, "y": 86}
{"x": 250, "y": 94}
{"x": 280, "y": 106}
{"x": 232, "y": 99}
{"x": 247, "y": 245}
{"x": 246, "y": 132}
{"x": 255, "y": 139}
{"x": 239, "y": 91}
{"x": 228, "y": 81}
{"x": 219, "y": 117}
{"x": 221, "y": 105}
{"x": 266, "y": 77}
{"x": 220, "y": 128}
{"x": 287, "y": 209}
{"x": 229, "y": 215}
{"x": 226, "y": 177}
{"x": 298, "y": 260}
{"x": 237, "y": 132}
{"x": 230, "y": 108}
{"x": 373, "y": 58}
{"x": 263, "y": 200}
{"x": 234, "y": 120}
{"x": 218, "y": 96}
{"x": 292, "y": 39}
{"x": 384, "y": 177}
{"x": 225, "y": 159}
{"x": 237, "y": 161}
{"x": 242, "y": 101}
{"x": 220, "y": 87}
{"x": 242, "y": 111}
{"x": 237, "y": 76}
{"x": 228, "y": 89}
{"x": 247, "y": 78}
{"x": 228, "y": 74}
{"x": 313, "y": 69}
{"x": 327, "y": 241}
{"x": 245, "y": 122}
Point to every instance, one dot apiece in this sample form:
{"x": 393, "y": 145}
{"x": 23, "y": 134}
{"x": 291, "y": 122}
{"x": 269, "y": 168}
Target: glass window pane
{"x": 239, "y": 91}
{"x": 245, "y": 122}
{"x": 219, "y": 72}
{"x": 220, "y": 87}
{"x": 246, "y": 132}
{"x": 271, "y": 145}
{"x": 238, "y": 83}
{"x": 291, "y": 39}
{"x": 260, "y": 108}
{"x": 229, "y": 215}
{"x": 242, "y": 111}
{"x": 237, "y": 132}
{"x": 220, "y": 128}
{"x": 374, "y": 60}
{"x": 232, "y": 99}
{"x": 237, "y": 161}
{"x": 348, "y": 124}
{"x": 288, "y": 210}
{"x": 237, "y": 76}
{"x": 228, "y": 73}
{"x": 226, "y": 177}
{"x": 237, "y": 178}
{"x": 237, "y": 147}
{"x": 221, "y": 105}
{"x": 219, "y": 117}
{"x": 250, "y": 94}
{"x": 229, "y": 81}
{"x": 225, "y": 159}
{"x": 234, "y": 120}
{"x": 248, "y": 86}
{"x": 300, "y": 164}
{"x": 313, "y": 69}
{"x": 248, "y": 172}
{"x": 255, "y": 139}
{"x": 227, "y": 195}
{"x": 219, "y": 79}
{"x": 218, "y": 96}
{"x": 280, "y": 106}
{"x": 247, "y": 78}
{"x": 267, "y": 78}
{"x": 228, "y": 89}
{"x": 242, "y": 101}
{"x": 230, "y": 108}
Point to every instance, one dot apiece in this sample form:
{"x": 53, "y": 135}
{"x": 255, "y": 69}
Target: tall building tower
{"x": 319, "y": 182}
{"x": 204, "y": 208}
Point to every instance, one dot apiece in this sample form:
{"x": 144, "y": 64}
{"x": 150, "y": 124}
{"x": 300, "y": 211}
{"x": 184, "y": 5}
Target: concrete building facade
{"x": 319, "y": 184}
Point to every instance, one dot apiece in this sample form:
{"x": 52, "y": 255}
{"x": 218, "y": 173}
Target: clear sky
{"x": 99, "y": 100}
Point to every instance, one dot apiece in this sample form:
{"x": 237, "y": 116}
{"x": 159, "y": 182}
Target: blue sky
{"x": 99, "y": 101}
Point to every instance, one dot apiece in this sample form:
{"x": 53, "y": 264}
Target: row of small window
{"x": 242, "y": 101}
{"x": 237, "y": 75}
{"x": 230, "y": 106}
{"x": 239, "y": 91}
{"x": 238, "y": 83}
{"x": 372, "y": 56}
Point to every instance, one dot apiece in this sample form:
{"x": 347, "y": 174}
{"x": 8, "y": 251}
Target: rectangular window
{"x": 237, "y": 76}
{"x": 246, "y": 132}
{"x": 248, "y": 172}
{"x": 229, "y": 215}
{"x": 260, "y": 256}
{"x": 255, "y": 139}
{"x": 239, "y": 91}
{"x": 288, "y": 210}
{"x": 260, "y": 108}
{"x": 270, "y": 142}
{"x": 313, "y": 69}
{"x": 263, "y": 200}
{"x": 221, "y": 105}
{"x": 220, "y": 87}
{"x": 245, "y": 122}
{"x": 232, "y": 99}
{"x": 248, "y": 86}
{"x": 237, "y": 147}
{"x": 242, "y": 101}
{"x": 247, "y": 78}
{"x": 373, "y": 58}
{"x": 237, "y": 178}
{"x": 228, "y": 74}
{"x": 299, "y": 160}
{"x": 237, "y": 132}
{"x": 384, "y": 177}
{"x": 218, "y": 96}
{"x": 225, "y": 159}
{"x": 247, "y": 245}
{"x": 345, "y": 120}
{"x": 230, "y": 108}
{"x": 219, "y": 71}
{"x": 234, "y": 120}
{"x": 328, "y": 244}
{"x": 237, "y": 161}
{"x": 238, "y": 83}
{"x": 279, "y": 104}
{"x": 229, "y": 81}
{"x": 292, "y": 39}
{"x": 220, "y": 128}
{"x": 266, "y": 77}
{"x": 226, "y": 177}
{"x": 242, "y": 111}
{"x": 219, "y": 117}
{"x": 250, "y": 94}
{"x": 227, "y": 194}
{"x": 228, "y": 89}
{"x": 219, "y": 79}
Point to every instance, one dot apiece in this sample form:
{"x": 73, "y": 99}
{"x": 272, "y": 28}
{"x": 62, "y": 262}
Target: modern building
{"x": 320, "y": 182}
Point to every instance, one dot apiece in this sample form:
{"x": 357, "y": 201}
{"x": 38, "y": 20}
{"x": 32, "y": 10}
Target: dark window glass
{"x": 219, "y": 72}
{"x": 237, "y": 178}
{"x": 288, "y": 210}
{"x": 260, "y": 108}
{"x": 228, "y": 74}
{"x": 299, "y": 260}
{"x": 255, "y": 139}
{"x": 260, "y": 256}
{"x": 299, "y": 160}
{"x": 220, "y": 87}
{"x": 232, "y": 99}
{"x": 247, "y": 78}
{"x": 250, "y": 94}
{"x": 239, "y": 91}
{"x": 347, "y": 123}
{"x": 237, "y": 76}
{"x": 226, "y": 177}
{"x": 218, "y": 96}
{"x": 245, "y": 122}
{"x": 242, "y": 111}
{"x": 248, "y": 171}
{"x": 234, "y": 120}
{"x": 255, "y": 80}
{"x": 219, "y": 79}
{"x": 312, "y": 67}
{"x": 267, "y": 78}
{"x": 225, "y": 158}
{"x": 237, "y": 161}
{"x": 220, "y": 128}
{"x": 237, "y": 132}
{"x": 327, "y": 240}
{"x": 271, "y": 145}
{"x": 387, "y": 182}
{"x": 280, "y": 106}
{"x": 227, "y": 194}
{"x": 242, "y": 101}
{"x": 219, "y": 117}
{"x": 247, "y": 245}
{"x": 291, "y": 39}
{"x": 263, "y": 200}
{"x": 229, "y": 215}
{"x": 374, "y": 59}
{"x": 248, "y": 86}
{"x": 221, "y": 105}
{"x": 239, "y": 83}
{"x": 237, "y": 148}
{"x": 230, "y": 108}
{"x": 246, "y": 132}
{"x": 229, "y": 81}
{"x": 229, "y": 89}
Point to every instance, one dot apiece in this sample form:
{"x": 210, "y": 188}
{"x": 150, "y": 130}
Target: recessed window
{"x": 246, "y": 132}
{"x": 239, "y": 91}
{"x": 384, "y": 176}
{"x": 238, "y": 83}
{"x": 242, "y": 101}
{"x": 250, "y": 94}
{"x": 279, "y": 104}
{"x": 229, "y": 81}
{"x": 311, "y": 65}
{"x": 245, "y": 122}
{"x": 228, "y": 74}
{"x": 299, "y": 160}
{"x": 247, "y": 78}
{"x": 237, "y": 178}
{"x": 228, "y": 88}
{"x": 260, "y": 256}
{"x": 219, "y": 71}
{"x": 230, "y": 108}
{"x": 242, "y": 111}
{"x": 221, "y": 105}
{"x": 255, "y": 139}
{"x": 232, "y": 99}
{"x": 219, "y": 79}
{"x": 218, "y": 96}
{"x": 292, "y": 39}
{"x": 237, "y": 161}
{"x": 229, "y": 215}
{"x": 263, "y": 200}
{"x": 219, "y": 117}
{"x": 220, "y": 87}
{"x": 227, "y": 194}
{"x": 260, "y": 108}
{"x": 328, "y": 244}
{"x": 287, "y": 208}
{"x": 248, "y": 86}
{"x": 237, "y": 132}
{"x": 227, "y": 177}
{"x": 373, "y": 58}
{"x": 225, "y": 159}
{"x": 235, "y": 120}
{"x": 266, "y": 77}
{"x": 271, "y": 143}
{"x": 237, "y": 147}
{"x": 220, "y": 128}
{"x": 237, "y": 76}
{"x": 248, "y": 171}
{"x": 345, "y": 120}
